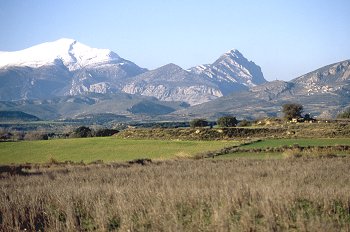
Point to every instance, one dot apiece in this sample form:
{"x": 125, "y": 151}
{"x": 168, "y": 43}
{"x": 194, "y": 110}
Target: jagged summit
{"x": 233, "y": 53}
{"x": 72, "y": 53}
{"x": 232, "y": 68}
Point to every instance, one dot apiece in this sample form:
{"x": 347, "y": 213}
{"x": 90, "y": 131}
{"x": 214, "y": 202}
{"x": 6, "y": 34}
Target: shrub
{"x": 292, "y": 110}
{"x": 244, "y": 123}
{"x": 82, "y": 132}
{"x": 36, "y": 136}
{"x": 227, "y": 121}
{"x": 105, "y": 132}
{"x": 199, "y": 122}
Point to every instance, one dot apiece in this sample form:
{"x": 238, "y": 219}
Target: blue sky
{"x": 286, "y": 38}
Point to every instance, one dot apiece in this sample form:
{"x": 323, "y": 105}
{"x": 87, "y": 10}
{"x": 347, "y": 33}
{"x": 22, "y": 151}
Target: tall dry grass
{"x": 182, "y": 195}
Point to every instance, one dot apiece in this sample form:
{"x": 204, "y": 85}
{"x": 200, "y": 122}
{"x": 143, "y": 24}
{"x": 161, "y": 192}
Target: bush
{"x": 82, "y": 132}
{"x": 36, "y": 135}
{"x": 244, "y": 123}
{"x": 227, "y": 121}
{"x": 199, "y": 122}
{"x": 292, "y": 110}
{"x": 105, "y": 132}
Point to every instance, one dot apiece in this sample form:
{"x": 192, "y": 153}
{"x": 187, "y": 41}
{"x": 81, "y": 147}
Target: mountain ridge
{"x": 323, "y": 92}
{"x": 68, "y": 67}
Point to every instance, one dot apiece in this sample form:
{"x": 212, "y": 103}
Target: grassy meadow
{"x": 293, "y": 194}
{"x": 107, "y": 149}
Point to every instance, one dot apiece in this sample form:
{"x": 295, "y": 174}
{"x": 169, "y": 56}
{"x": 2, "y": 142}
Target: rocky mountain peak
{"x": 232, "y": 54}
{"x": 232, "y": 71}
{"x": 170, "y": 67}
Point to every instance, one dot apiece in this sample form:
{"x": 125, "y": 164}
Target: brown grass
{"x": 182, "y": 195}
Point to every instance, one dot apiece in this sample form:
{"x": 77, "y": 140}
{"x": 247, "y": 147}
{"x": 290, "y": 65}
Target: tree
{"x": 292, "y": 110}
{"x": 105, "y": 132}
{"x": 82, "y": 132}
{"x": 227, "y": 121}
{"x": 244, "y": 123}
{"x": 198, "y": 122}
{"x": 344, "y": 114}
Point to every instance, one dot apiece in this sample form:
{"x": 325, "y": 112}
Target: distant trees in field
{"x": 227, "y": 121}
{"x": 84, "y": 132}
{"x": 292, "y": 110}
{"x": 198, "y": 122}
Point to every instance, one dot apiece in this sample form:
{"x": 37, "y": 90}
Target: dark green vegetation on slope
{"x": 8, "y": 116}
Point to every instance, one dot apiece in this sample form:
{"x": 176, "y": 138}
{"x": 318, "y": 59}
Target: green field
{"x": 317, "y": 142}
{"x": 108, "y": 149}
{"x": 301, "y": 142}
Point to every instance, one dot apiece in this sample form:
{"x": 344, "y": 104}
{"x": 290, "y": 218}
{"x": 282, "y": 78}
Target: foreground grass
{"x": 107, "y": 149}
{"x": 251, "y": 155}
{"x": 187, "y": 195}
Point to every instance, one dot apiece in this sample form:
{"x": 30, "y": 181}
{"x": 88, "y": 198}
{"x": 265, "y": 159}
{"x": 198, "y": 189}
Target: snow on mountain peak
{"x": 233, "y": 53}
{"x": 73, "y": 54}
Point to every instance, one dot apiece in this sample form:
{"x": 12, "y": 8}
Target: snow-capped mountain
{"x": 231, "y": 71}
{"x": 62, "y": 67}
{"x": 68, "y": 67}
{"x": 72, "y": 54}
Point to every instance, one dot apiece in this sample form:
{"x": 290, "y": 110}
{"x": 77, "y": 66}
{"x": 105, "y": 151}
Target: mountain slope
{"x": 67, "y": 67}
{"x": 172, "y": 83}
{"x": 72, "y": 54}
{"x": 93, "y": 104}
{"x": 232, "y": 71}
{"x": 62, "y": 67}
{"x": 323, "y": 92}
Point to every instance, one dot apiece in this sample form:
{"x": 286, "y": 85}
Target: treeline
{"x": 80, "y": 132}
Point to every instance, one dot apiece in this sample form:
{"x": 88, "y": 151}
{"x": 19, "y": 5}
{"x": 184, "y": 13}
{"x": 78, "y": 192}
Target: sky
{"x": 285, "y": 38}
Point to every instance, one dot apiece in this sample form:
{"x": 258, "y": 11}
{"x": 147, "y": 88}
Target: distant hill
{"x": 16, "y": 116}
{"x": 121, "y": 106}
{"x": 323, "y": 93}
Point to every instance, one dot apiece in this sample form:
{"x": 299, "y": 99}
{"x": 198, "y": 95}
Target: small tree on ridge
{"x": 198, "y": 122}
{"x": 227, "y": 121}
{"x": 292, "y": 110}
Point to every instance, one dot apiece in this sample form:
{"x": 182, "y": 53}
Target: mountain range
{"x": 67, "y": 67}
{"x": 324, "y": 93}
{"x": 67, "y": 79}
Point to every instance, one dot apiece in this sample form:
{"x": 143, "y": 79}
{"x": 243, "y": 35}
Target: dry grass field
{"x": 290, "y": 194}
